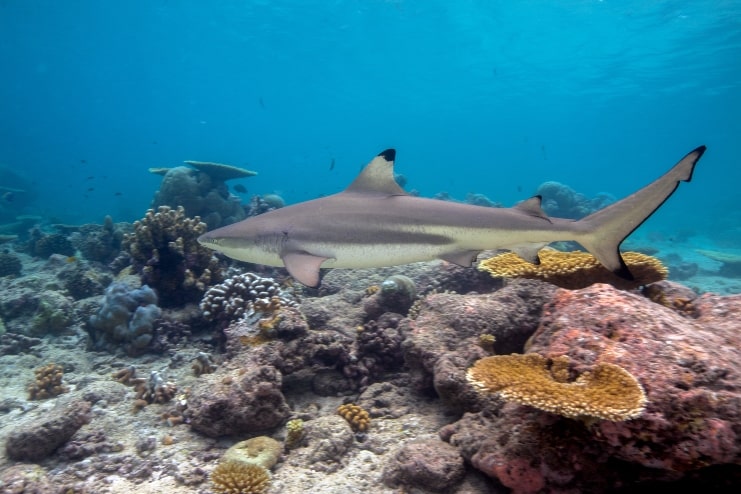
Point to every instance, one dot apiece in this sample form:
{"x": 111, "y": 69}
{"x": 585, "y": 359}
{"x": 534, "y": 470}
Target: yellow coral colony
{"x": 356, "y": 416}
{"x": 232, "y": 477}
{"x": 606, "y": 392}
{"x": 576, "y": 269}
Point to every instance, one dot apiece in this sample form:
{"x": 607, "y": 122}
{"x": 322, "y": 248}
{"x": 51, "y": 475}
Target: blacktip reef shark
{"x": 375, "y": 223}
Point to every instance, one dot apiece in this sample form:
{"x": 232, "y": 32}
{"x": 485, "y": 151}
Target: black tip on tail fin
{"x": 698, "y": 152}
{"x": 623, "y": 271}
{"x": 389, "y": 154}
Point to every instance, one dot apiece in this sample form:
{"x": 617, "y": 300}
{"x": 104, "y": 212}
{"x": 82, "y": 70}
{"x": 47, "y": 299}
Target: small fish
{"x": 90, "y": 189}
{"x": 8, "y": 196}
{"x": 83, "y": 161}
{"x": 71, "y": 259}
{"x": 262, "y": 103}
{"x": 240, "y": 188}
{"x": 90, "y": 177}
{"x": 331, "y": 165}
{"x": 118, "y": 194}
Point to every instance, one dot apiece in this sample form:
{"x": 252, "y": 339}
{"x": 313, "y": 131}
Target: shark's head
{"x": 238, "y": 241}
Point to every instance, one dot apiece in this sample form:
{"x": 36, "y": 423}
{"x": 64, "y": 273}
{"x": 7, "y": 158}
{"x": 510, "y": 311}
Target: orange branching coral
{"x": 358, "y": 418}
{"x": 606, "y": 392}
{"x": 231, "y": 477}
{"x": 576, "y": 269}
{"x": 48, "y": 382}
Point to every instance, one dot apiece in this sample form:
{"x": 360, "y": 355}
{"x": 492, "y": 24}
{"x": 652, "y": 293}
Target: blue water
{"x": 477, "y": 96}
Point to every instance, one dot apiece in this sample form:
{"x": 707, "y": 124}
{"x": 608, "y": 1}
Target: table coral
{"x": 576, "y": 269}
{"x": 606, "y": 392}
{"x": 165, "y": 252}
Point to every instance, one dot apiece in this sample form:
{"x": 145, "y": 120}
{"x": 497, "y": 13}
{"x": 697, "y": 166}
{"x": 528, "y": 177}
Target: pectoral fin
{"x": 304, "y": 267}
{"x": 463, "y": 258}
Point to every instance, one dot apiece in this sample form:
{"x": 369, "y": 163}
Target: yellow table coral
{"x": 606, "y": 392}
{"x": 576, "y": 269}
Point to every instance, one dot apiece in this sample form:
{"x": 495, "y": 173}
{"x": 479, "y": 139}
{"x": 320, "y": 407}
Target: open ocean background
{"x": 492, "y": 97}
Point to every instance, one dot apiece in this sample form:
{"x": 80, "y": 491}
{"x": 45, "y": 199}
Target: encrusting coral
{"x": 48, "y": 382}
{"x": 165, "y": 252}
{"x": 574, "y": 270}
{"x": 231, "y": 477}
{"x": 263, "y": 451}
{"x": 356, "y": 416}
{"x": 606, "y": 392}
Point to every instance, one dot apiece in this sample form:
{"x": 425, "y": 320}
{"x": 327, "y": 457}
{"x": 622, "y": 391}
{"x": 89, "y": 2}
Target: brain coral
{"x": 574, "y": 270}
{"x": 607, "y": 392}
{"x": 165, "y": 251}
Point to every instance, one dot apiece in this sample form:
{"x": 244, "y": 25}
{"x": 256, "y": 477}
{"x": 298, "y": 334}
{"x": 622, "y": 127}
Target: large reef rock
{"x": 38, "y": 439}
{"x": 687, "y": 362}
{"x": 450, "y": 332}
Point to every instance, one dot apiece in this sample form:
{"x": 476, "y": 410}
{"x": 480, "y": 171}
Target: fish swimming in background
{"x": 374, "y": 223}
{"x": 240, "y": 188}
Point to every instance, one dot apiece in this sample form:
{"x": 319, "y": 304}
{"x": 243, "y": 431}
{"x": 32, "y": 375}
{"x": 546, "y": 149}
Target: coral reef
{"x": 606, "y": 392}
{"x": 576, "y": 269}
{"x": 165, "y": 252}
{"x": 43, "y": 245}
{"x": 246, "y": 295}
{"x": 100, "y": 243}
{"x": 249, "y": 401}
{"x": 200, "y": 193}
{"x": 231, "y": 477}
{"x": 82, "y": 281}
{"x": 358, "y": 418}
{"x": 155, "y": 389}
{"x": 686, "y": 365}
{"x": 125, "y": 319}
{"x": 562, "y": 201}
{"x": 47, "y": 382}
{"x": 203, "y": 364}
{"x": 427, "y": 464}
{"x": 10, "y": 264}
{"x": 35, "y": 440}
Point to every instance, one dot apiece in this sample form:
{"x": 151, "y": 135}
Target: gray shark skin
{"x": 375, "y": 223}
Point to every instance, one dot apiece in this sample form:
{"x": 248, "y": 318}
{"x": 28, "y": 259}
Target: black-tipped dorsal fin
{"x": 532, "y": 207}
{"x": 378, "y": 177}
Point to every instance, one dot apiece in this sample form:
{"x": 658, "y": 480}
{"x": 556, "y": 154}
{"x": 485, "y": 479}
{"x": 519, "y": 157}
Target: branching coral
{"x": 48, "y": 382}
{"x": 606, "y": 392}
{"x": 232, "y": 477}
{"x": 576, "y": 269}
{"x": 244, "y": 295}
{"x": 164, "y": 250}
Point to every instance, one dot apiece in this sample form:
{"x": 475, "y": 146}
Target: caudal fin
{"x": 603, "y": 232}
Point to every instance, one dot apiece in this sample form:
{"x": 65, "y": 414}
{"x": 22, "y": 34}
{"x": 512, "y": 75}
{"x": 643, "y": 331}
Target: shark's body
{"x": 375, "y": 223}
